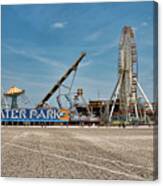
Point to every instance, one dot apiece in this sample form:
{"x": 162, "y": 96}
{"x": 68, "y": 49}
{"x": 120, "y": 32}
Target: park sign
{"x": 35, "y": 115}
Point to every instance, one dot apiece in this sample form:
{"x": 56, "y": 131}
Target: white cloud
{"x": 106, "y": 48}
{"x": 135, "y": 29}
{"x": 48, "y": 61}
{"x": 85, "y": 64}
{"x": 58, "y": 25}
{"x": 37, "y": 57}
{"x": 144, "y": 24}
{"x": 94, "y": 36}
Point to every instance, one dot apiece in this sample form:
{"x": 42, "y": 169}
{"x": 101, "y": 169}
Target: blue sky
{"x": 39, "y": 42}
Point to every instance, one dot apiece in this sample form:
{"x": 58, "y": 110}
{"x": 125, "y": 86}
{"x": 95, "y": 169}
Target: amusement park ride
{"x": 125, "y": 104}
{"x": 75, "y": 111}
{"x": 125, "y": 95}
{"x": 14, "y": 98}
{"x": 14, "y": 93}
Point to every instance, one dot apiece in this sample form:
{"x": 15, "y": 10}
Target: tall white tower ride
{"x": 126, "y": 89}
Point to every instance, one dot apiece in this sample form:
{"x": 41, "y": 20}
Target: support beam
{"x": 115, "y": 97}
{"x": 61, "y": 80}
{"x": 145, "y": 97}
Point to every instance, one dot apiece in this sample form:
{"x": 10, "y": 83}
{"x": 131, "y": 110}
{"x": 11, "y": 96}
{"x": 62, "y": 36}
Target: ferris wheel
{"x": 126, "y": 89}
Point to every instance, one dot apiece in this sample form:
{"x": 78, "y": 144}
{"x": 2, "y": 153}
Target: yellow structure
{"x": 14, "y": 92}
